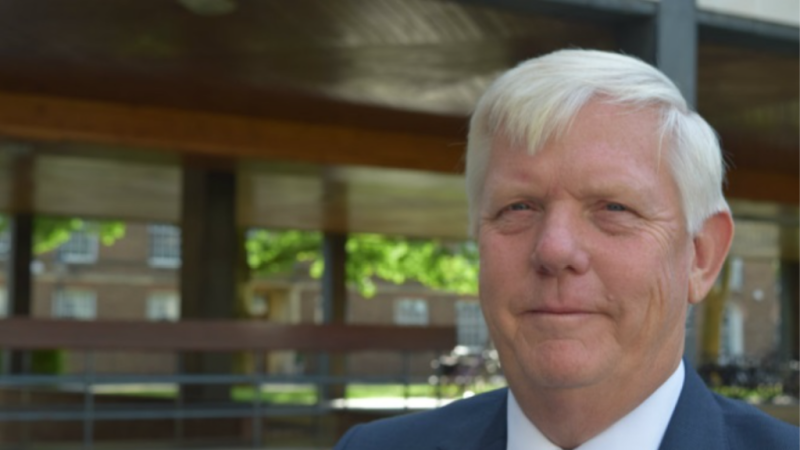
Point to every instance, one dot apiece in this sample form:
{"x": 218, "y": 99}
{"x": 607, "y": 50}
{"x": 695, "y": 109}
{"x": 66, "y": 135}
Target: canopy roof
{"x": 344, "y": 115}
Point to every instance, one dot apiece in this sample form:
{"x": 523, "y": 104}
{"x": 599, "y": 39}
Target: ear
{"x": 711, "y": 245}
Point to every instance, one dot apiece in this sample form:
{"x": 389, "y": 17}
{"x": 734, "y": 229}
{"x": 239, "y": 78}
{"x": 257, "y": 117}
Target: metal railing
{"x": 199, "y": 336}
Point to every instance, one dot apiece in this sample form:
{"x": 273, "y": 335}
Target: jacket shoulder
{"x": 747, "y": 427}
{"x": 424, "y": 430}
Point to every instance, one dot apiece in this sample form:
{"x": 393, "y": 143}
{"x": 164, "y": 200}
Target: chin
{"x": 563, "y": 365}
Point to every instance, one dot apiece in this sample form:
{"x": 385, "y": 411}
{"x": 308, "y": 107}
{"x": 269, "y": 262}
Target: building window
{"x": 163, "y": 306}
{"x": 411, "y": 311}
{"x": 732, "y": 333}
{"x": 75, "y": 304}
{"x": 470, "y": 326}
{"x": 5, "y": 244}
{"x": 258, "y": 306}
{"x": 165, "y": 245}
{"x": 81, "y": 248}
{"x": 737, "y": 274}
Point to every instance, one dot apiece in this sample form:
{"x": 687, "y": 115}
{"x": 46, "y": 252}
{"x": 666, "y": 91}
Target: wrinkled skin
{"x": 587, "y": 268}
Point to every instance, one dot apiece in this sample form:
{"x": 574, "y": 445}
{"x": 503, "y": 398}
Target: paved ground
{"x": 382, "y": 406}
{"x": 389, "y": 403}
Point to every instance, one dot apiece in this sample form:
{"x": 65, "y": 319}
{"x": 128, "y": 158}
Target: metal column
{"x": 209, "y": 251}
{"x": 334, "y": 307}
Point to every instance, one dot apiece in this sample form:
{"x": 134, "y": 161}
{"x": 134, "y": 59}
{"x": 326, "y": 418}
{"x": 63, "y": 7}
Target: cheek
{"x": 649, "y": 291}
{"x": 504, "y": 263}
{"x": 502, "y": 272}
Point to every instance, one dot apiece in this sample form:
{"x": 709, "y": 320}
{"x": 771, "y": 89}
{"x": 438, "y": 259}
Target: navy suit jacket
{"x": 702, "y": 420}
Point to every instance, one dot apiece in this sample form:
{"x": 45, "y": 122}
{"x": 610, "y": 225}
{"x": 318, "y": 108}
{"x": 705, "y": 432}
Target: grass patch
{"x": 414, "y": 390}
{"x": 284, "y": 395}
{"x": 165, "y": 393}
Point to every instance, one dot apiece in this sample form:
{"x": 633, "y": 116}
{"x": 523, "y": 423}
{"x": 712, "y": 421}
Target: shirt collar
{"x": 641, "y": 429}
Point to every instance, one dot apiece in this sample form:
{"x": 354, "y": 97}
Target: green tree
{"x": 441, "y": 265}
{"x": 50, "y": 232}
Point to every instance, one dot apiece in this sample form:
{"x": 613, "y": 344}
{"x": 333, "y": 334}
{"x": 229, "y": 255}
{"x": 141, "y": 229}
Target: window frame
{"x": 70, "y": 295}
{"x": 403, "y": 317}
{"x": 475, "y": 334}
{"x": 67, "y": 254}
{"x": 157, "y": 239}
{"x": 159, "y": 296}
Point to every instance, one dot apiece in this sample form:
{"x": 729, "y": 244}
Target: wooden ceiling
{"x": 346, "y": 115}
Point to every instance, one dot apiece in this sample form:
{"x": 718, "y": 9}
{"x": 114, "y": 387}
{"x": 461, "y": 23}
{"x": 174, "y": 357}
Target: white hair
{"x": 540, "y": 97}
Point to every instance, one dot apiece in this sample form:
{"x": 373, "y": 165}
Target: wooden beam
{"x": 43, "y": 118}
{"x": 763, "y": 186}
{"x": 218, "y": 335}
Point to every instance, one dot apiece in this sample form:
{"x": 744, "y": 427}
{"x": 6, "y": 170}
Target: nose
{"x": 560, "y": 245}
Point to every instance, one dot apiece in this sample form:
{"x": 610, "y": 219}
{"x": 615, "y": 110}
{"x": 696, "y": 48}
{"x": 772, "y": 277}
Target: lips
{"x": 559, "y": 311}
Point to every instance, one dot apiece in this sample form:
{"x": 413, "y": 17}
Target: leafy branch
{"x": 51, "y": 232}
{"x": 433, "y": 263}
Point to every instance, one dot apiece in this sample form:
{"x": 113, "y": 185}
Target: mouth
{"x": 559, "y": 313}
{"x": 558, "y": 310}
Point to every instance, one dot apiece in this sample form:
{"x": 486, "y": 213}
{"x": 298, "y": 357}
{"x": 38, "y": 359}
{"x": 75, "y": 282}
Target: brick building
{"x": 752, "y": 317}
{"x": 136, "y": 278}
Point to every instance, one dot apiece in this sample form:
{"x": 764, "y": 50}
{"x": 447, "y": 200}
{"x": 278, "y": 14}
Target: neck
{"x": 568, "y": 417}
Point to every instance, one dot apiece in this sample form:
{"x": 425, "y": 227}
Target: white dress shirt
{"x": 641, "y": 429}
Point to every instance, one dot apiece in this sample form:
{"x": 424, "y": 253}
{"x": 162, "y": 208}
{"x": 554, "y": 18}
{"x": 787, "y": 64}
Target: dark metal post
{"x": 334, "y": 308}
{"x": 209, "y": 250}
{"x": 19, "y": 277}
{"x": 676, "y": 45}
{"x": 20, "y": 252}
{"x": 669, "y": 41}
{"x": 789, "y": 344}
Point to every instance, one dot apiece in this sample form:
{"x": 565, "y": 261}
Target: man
{"x": 595, "y": 195}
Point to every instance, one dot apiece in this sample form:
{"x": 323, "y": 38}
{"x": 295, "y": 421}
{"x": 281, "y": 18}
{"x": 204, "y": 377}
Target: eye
{"x": 616, "y": 207}
{"x": 518, "y": 207}
{"x": 515, "y": 217}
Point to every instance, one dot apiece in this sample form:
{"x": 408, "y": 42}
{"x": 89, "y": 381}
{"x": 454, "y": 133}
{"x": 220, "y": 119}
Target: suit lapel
{"x": 697, "y": 421}
{"x": 484, "y": 430}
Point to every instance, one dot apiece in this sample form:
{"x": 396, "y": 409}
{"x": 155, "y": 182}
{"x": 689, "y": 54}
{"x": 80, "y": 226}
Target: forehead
{"x": 613, "y": 129}
{"x": 604, "y": 144}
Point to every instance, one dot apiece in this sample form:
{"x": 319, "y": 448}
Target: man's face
{"x": 585, "y": 257}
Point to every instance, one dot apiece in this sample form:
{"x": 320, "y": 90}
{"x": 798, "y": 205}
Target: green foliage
{"x": 760, "y": 394}
{"x": 306, "y": 394}
{"x": 47, "y": 362}
{"x": 274, "y": 252}
{"x": 284, "y": 395}
{"x": 439, "y": 265}
{"x": 50, "y": 232}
